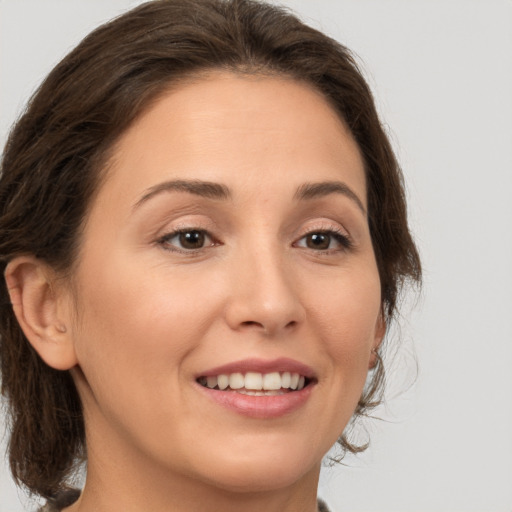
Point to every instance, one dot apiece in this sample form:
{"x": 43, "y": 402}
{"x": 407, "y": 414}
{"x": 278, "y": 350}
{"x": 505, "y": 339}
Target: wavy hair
{"x": 55, "y": 156}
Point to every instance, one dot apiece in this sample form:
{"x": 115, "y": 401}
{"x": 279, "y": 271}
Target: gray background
{"x": 442, "y": 75}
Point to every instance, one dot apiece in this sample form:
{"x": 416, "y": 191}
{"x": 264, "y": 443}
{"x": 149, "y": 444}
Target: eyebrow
{"x": 212, "y": 190}
{"x": 325, "y": 188}
{"x": 206, "y": 189}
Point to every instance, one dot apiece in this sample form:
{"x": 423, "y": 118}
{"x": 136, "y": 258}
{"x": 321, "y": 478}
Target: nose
{"x": 265, "y": 294}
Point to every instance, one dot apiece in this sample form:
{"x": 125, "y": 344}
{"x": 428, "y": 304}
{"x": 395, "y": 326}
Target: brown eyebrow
{"x": 212, "y": 190}
{"x": 206, "y": 189}
{"x": 324, "y": 188}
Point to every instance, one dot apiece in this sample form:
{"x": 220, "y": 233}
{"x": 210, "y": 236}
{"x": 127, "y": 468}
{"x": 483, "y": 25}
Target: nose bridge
{"x": 265, "y": 293}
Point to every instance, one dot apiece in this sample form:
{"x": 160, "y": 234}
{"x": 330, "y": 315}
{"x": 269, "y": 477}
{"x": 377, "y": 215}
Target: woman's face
{"x": 228, "y": 246}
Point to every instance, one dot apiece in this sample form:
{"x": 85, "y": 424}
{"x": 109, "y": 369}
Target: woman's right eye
{"x": 187, "y": 240}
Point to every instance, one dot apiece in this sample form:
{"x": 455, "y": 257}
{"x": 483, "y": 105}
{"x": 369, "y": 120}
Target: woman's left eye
{"x": 324, "y": 241}
{"x": 187, "y": 240}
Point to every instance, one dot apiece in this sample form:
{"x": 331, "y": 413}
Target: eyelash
{"x": 340, "y": 237}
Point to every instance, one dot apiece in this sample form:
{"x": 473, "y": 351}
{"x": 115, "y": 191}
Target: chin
{"x": 262, "y": 470}
{"x": 255, "y": 480}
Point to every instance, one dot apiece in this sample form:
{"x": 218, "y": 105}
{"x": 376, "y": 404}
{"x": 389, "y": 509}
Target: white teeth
{"x": 255, "y": 382}
{"x": 222, "y": 381}
{"x": 272, "y": 381}
{"x": 236, "y": 381}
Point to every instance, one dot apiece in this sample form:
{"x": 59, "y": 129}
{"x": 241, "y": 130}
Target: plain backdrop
{"x": 442, "y": 75}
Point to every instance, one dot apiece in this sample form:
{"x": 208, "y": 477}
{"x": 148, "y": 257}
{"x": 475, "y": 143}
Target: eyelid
{"x": 323, "y": 225}
{"x": 182, "y": 223}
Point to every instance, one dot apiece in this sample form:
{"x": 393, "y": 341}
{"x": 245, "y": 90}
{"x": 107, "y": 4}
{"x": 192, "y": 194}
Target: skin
{"x": 144, "y": 316}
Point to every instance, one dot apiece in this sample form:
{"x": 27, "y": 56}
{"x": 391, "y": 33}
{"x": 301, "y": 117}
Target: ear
{"x": 41, "y": 309}
{"x": 380, "y": 331}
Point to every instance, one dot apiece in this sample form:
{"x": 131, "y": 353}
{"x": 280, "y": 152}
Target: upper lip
{"x": 282, "y": 364}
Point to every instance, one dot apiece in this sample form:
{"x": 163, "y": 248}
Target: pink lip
{"x": 262, "y": 407}
{"x": 282, "y": 364}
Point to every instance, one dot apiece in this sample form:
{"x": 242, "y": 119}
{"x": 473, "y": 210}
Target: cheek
{"x": 348, "y": 306}
{"x": 346, "y": 312}
{"x": 136, "y": 332}
{"x": 141, "y": 317}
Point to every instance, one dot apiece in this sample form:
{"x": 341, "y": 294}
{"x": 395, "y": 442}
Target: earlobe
{"x": 41, "y": 311}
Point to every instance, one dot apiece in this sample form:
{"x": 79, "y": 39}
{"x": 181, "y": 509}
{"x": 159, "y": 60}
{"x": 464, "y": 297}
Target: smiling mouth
{"x": 255, "y": 383}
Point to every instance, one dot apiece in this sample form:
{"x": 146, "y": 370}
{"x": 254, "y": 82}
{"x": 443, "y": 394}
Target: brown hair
{"x": 55, "y": 154}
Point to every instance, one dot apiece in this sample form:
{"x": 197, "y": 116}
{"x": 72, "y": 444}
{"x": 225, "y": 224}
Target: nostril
{"x": 250, "y": 323}
{"x": 267, "y": 327}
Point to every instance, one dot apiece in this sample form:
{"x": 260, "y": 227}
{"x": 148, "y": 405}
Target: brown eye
{"x": 324, "y": 241}
{"x": 187, "y": 240}
{"x": 192, "y": 239}
{"x": 319, "y": 241}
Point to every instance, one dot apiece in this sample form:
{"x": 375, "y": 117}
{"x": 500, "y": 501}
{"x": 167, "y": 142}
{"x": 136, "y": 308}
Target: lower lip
{"x": 270, "y": 406}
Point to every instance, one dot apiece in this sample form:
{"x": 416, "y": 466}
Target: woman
{"x": 203, "y": 235}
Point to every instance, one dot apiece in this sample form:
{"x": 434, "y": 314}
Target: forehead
{"x": 237, "y": 128}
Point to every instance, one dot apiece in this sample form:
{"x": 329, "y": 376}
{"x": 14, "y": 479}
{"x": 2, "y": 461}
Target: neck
{"x": 132, "y": 483}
